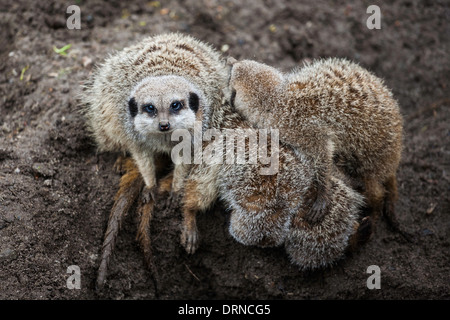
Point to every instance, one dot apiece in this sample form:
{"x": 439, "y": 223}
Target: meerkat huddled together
{"x": 269, "y": 210}
{"x": 334, "y": 112}
{"x": 340, "y": 135}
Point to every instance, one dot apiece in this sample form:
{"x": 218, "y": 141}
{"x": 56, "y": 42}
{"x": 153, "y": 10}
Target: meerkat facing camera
{"x": 133, "y": 103}
{"x": 140, "y": 95}
{"x": 159, "y": 105}
{"x": 335, "y": 112}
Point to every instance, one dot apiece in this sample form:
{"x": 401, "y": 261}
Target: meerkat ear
{"x": 132, "y": 105}
{"x": 193, "y": 101}
{"x": 231, "y": 61}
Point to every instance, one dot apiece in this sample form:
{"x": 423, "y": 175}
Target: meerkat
{"x": 333, "y": 111}
{"x": 270, "y": 210}
{"x": 133, "y": 103}
{"x": 140, "y": 95}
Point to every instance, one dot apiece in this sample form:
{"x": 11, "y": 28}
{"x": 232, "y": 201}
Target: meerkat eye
{"x": 176, "y": 105}
{"x": 149, "y": 108}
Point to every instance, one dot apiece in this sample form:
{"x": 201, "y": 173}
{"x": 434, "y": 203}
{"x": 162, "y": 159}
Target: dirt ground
{"x": 56, "y": 191}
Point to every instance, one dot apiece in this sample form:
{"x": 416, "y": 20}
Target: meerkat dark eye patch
{"x": 132, "y": 105}
{"x": 233, "y": 96}
{"x": 193, "y": 101}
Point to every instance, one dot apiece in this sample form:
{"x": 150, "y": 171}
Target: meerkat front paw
{"x": 173, "y": 201}
{"x": 189, "y": 238}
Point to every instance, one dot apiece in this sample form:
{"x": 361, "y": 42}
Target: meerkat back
{"x": 348, "y": 103}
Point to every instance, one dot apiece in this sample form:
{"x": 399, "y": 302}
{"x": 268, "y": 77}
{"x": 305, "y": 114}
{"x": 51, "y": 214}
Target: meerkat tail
{"x": 388, "y": 209}
{"x": 145, "y": 211}
{"x": 130, "y": 186}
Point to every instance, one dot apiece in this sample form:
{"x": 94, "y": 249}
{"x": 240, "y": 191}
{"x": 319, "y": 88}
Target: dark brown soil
{"x": 56, "y": 192}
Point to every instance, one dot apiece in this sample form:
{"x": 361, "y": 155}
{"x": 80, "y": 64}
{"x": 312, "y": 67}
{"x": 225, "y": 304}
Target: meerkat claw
{"x": 173, "y": 201}
{"x": 148, "y": 194}
{"x": 189, "y": 240}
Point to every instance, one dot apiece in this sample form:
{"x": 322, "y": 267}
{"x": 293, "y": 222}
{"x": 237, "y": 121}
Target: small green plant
{"x": 23, "y": 72}
{"x": 63, "y": 50}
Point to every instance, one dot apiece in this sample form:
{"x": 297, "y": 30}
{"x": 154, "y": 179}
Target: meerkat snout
{"x": 164, "y": 126}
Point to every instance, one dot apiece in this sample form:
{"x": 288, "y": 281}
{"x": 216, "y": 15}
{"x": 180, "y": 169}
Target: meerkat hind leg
{"x": 389, "y": 201}
{"x": 374, "y": 192}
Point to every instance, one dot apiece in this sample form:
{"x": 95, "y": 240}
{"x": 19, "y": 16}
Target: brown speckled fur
{"x": 269, "y": 210}
{"x": 330, "y": 110}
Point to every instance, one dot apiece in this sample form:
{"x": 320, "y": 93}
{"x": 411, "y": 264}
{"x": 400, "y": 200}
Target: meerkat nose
{"x": 164, "y": 126}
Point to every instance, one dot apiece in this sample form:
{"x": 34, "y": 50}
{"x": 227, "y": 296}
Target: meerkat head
{"x": 253, "y": 86}
{"x": 161, "y": 104}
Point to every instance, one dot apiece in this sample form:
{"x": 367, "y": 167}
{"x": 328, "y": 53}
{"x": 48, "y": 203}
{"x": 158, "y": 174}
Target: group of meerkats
{"x": 340, "y": 142}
